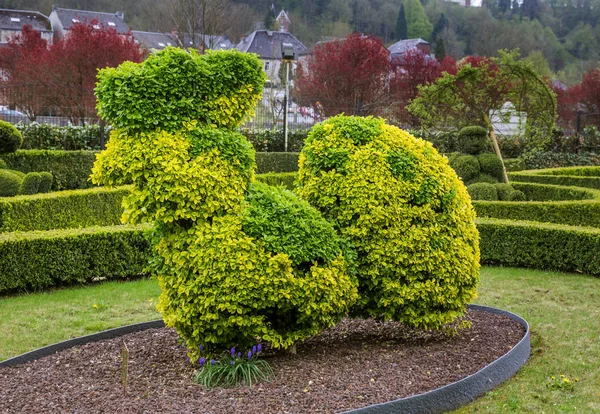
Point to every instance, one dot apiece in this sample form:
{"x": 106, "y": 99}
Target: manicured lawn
{"x": 563, "y": 310}
{"x": 32, "y": 321}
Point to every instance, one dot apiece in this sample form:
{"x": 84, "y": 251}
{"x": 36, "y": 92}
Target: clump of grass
{"x": 233, "y": 369}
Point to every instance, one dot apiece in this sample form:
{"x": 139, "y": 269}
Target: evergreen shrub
{"x": 483, "y": 191}
{"x": 491, "y": 164}
{"x": 10, "y": 183}
{"x": 405, "y": 211}
{"x": 483, "y": 178}
{"x": 466, "y": 166}
{"x": 45, "y": 182}
{"x": 3, "y": 165}
{"x": 473, "y": 140}
{"x": 30, "y": 183}
{"x": 10, "y": 138}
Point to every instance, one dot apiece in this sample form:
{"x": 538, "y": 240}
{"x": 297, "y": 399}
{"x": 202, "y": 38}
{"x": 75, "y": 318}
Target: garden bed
{"x": 356, "y": 364}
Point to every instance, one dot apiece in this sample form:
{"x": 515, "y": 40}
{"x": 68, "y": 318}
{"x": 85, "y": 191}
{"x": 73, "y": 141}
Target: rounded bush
{"x": 483, "y": 191}
{"x": 483, "y": 178}
{"x": 31, "y": 183}
{"x": 3, "y": 165}
{"x": 466, "y": 166}
{"x": 10, "y": 138}
{"x": 405, "y": 211}
{"x": 517, "y": 195}
{"x": 45, "y": 182}
{"x": 504, "y": 191}
{"x": 473, "y": 140}
{"x": 491, "y": 164}
{"x": 10, "y": 183}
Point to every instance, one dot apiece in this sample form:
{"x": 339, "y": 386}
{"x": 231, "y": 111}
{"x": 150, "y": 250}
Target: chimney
{"x": 120, "y": 15}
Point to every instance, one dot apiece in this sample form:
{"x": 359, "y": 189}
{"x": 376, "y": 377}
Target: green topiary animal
{"x": 491, "y": 164}
{"x": 466, "y": 166}
{"x": 236, "y": 260}
{"x": 473, "y": 140}
{"x": 10, "y": 138}
{"x": 30, "y": 183}
{"x": 406, "y": 212}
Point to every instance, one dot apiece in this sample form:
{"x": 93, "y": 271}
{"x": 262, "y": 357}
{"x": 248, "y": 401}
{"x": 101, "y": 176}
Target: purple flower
{"x": 259, "y": 347}
{"x": 201, "y": 347}
{"x": 239, "y": 354}
{"x": 202, "y": 361}
{"x": 232, "y": 351}
{"x": 254, "y": 349}
{"x": 249, "y": 354}
{"x": 232, "y": 362}
{"x": 212, "y": 362}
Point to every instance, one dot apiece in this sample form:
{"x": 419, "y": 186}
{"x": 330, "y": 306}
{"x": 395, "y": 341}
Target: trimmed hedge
{"x": 54, "y": 137}
{"x": 548, "y": 192}
{"x": 286, "y": 180}
{"x": 38, "y": 260}
{"x": 65, "y": 209}
{"x": 539, "y": 245}
{"x": 557, "y": 177}
{"x": 483, "y": 191}
{"x": 276, "y": 162}
{"x": 70, "y": 169}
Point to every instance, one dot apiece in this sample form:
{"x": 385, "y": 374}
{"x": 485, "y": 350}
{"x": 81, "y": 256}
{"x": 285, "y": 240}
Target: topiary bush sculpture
{"x": 10, "y": 138}
{"x": 10, "y": 183}
{"x": 236, "y": 260}
{"x": 473, "y": 140}
{"x": 490, "y": 164}
{"x": 466, "y": 166}
{"x": 406, "y": 212}
{"x": 483, "y": 191}
{"x": 30, "y": 183}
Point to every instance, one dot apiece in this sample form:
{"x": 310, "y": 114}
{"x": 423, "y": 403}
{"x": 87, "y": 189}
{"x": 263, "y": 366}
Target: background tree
{"x": 477, "y": 94}
{"x": 200, "y": 19}
{"x": 348, "y": 75}
{"x": 416, "y": 20}
{"x": 401, "y": 29}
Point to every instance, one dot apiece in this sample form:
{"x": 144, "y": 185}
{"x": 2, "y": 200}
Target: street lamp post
{"x": 288, "y": 55}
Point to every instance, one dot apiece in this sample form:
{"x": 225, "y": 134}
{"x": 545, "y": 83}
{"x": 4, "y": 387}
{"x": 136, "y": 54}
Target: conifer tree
{"x": 416, "y": 21}
{"x": 401, "y": 28}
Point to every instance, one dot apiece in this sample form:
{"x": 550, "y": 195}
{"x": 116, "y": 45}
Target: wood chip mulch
{"x": 355, "y": 364}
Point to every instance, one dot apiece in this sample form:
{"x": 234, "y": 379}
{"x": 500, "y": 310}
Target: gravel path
{"x": 357, "y": 363}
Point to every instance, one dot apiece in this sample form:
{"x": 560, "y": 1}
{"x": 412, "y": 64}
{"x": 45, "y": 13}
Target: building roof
{"x": 267, "y": 44}
{"x": 403, "y": 46}
{"x": 69, "y": 17}
{"x": 210, "y": 41}
{"x": 153, "y": 40}
{"x": 16, "y": 19}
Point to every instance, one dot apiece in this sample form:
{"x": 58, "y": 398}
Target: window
{"x": 266, "y": 66}
{"x": 112, "y": 24}
{"x": 97, "y": 27}
{"x": 161, "y": 44}
{"x": 15, "y": 19}
{"x": 75, "y": 20}
{"x": 168, "y": 44}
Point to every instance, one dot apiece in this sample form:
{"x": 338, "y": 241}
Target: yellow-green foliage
{"x": 406, "y": 212}
{"x": 237, "y": 261}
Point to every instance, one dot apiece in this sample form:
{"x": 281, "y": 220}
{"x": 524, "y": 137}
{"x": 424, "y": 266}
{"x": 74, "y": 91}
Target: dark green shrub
{"x": 286, "y": 180}
{"x": 483, "y": 178}
{"x": 514, "y": 164}
{"x": 278, "y": 162}
{"x": 10, "y": 138}
{"x": 10, "y": 183}
{"x": 473, "y": 140}
{"x": 39, "y": 260}
{"x": 64, "y": 209}
{"x": 444, "y": 142}
{"x": 491, "y": 164}
{"x": 504, "y": 191}
{"x": 70, "y": 169}
{"x": 539, "y": 245}
{"x": 552, "y": 159}
{"x": 45, "y": 182}
{"x": 466, "y": 166}
{"x": 68, "y": 138}
{"x": 3, "y": 165}
{"x": 274, "y": 141}
{"x": 30, "y": 183}
{"x": 517, "y": 195}
{"x": 405, "y": 211}
{"x": 483, "y": 191}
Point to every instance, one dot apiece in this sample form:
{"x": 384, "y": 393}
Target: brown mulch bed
{"x": 357, "y": 363}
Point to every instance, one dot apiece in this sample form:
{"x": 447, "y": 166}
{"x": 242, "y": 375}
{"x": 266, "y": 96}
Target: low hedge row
{"x": 65, "y": 209}
{"x": 562, "y": 176}
{"x": 38, "y": 260}
{"x": 549, "y": 192}
{"x": 286, "y": 180}
{"x": 71, "y": 169}
{"x": 539, "y": 245}
{"x": 55, "y": 137}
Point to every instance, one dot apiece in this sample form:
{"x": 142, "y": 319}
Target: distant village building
{"x": 267, "y": 45}
{"x": 12, "y": 21}
{"x": 466, "y": 3}
{"x": 283, "y": 21}
{"x": 153, "y": 41}
{"x": 62, "y": 20}
{"x": 398, "y": 49}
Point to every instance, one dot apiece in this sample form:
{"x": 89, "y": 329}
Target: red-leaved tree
{"x": 63, "y": 75}
{"x": 349, "y": 75}
{"x": 21, "y": 78}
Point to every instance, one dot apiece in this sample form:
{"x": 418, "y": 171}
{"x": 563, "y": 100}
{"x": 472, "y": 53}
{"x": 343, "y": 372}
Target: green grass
{"x": 563, "y": 310}
{"x": 35, "y": 320}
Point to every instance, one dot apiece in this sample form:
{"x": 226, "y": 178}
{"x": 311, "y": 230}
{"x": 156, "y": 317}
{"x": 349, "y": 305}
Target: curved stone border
{"x": 446, "y": 398}
{"x": 82, "y": 340}
{"x": 459, "y": 393}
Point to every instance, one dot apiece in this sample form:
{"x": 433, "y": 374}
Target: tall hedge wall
{"x": 64, "y": 209}
{"x": 39, "y": 260}
{"x": 539, "y": 245}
